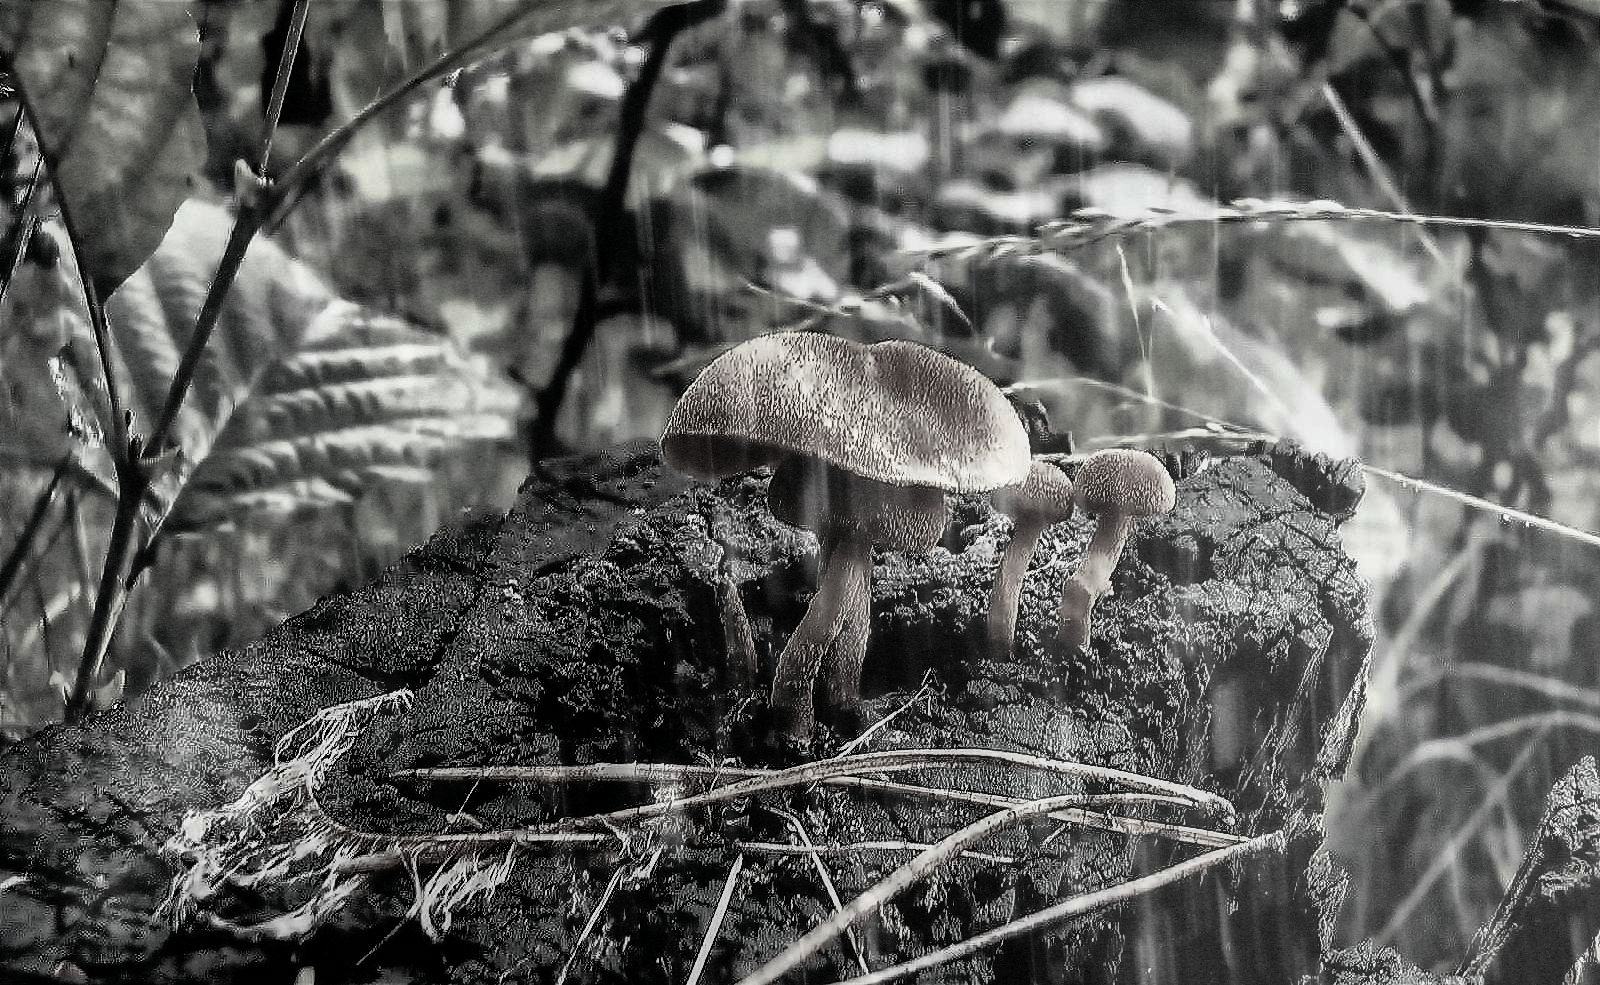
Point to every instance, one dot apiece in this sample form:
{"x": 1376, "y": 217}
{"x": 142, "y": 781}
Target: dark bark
{"x": 587, "y": 625}
{"x": 1551, "y": 913}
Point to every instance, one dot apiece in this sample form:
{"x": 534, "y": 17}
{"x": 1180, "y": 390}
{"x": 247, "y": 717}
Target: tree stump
{"x": 593, "y": 623}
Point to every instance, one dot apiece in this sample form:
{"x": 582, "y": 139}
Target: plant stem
{"x": 611, "y": 212}
{"x": 280, "y": 84}
{"x": 245, "y": 225}
{"x": 15, "y": 245}
{"x": 133, "y": 476}
{"x": 111, "y": 594}
{"x": 124, "y": 447}
{"x": 20, "y": 550}
{"x": 310, "y": 166}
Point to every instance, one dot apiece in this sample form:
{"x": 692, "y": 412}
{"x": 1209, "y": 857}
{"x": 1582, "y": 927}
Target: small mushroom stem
{"x": 841, "y": 602}
{"x": 1006, "y": 596}
{"x": 1093, "y": 578}
{"x": 736, "y": 635}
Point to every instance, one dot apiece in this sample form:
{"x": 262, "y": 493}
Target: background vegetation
{"x": 534, "y": 239}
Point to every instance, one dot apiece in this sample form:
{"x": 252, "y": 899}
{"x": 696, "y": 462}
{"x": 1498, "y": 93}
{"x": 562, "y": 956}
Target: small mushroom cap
{"x": 832, "y": 502}
{"x": 896, "y": 412}
{"x": 1125, "y": 481}
{"x": 1045, "y": 495}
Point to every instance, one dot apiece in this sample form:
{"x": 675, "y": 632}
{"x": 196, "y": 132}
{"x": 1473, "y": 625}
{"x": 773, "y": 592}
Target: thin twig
{"x": 883, "y": 723}
{"x": 1086, "y": 227}
{"x": 288, "y": 187}
{"x": 717, "y": 917}
{"x": 892, "y": 760}
{"x": 641, "y": 771}
{"x": 826, "y": 877}
{"x": 610, "y": 211}
{"x": 280, "y": 84}
{"x": 1074, "y": 907}
{"x": 861, "y": 847}
{"x": 901, "y": 879}
{"x": 15, "y": 245}
{"x": 1378, "y": 170}
{"x": 133, "y": 476}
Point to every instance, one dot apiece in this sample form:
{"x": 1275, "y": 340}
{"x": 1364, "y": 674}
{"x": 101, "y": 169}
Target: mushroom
{"x": 1045, "y": 497}
{"x": 867, "y": 439}
{"x": 1117, "y": 485}
{"x": 850, "y": 515}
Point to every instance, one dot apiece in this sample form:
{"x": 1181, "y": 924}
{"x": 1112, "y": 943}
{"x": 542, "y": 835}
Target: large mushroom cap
{"x": 895, "y": 412}
{"x": 1046, "y": 494}
{"x": 1125, "y": 481}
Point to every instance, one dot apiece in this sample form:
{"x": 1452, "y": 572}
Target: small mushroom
{"x": 1117, "y": 485}
{"x": 1045, "y": 497}
{"x": 866, "y": 439}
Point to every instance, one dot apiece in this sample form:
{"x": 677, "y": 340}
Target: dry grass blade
{"x": 925, "y": 864}
{"x": 1074, "y": 907}
{"x": 1553, "y": 688}
{"x": 1375, "y": 167}
{"x": 827, "y": 882}
{"x": 1086, "y": 227}
{"x": 1508, "y": 514}
{"x": 1448, "y": 854}
{"x": 590, "y": 924}
{"x": 717, "y": 917}
{"x": 634, "y": 772}
{"x": 888, "y": 761}
{"x": 860, "y": 847}
{"x": 1451, "y": 747}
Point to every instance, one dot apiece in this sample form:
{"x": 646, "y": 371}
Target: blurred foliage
{"x": 799, "y": 160}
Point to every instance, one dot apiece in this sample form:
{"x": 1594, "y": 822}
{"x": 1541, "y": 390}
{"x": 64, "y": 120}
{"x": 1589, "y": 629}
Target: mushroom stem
{"x": 1093, "y": 577}
{"x": 736, "y": 635}
{"x": 1006, "y": 597}
{"x": 837, "y": 617}
{"x": 841, "y": 668}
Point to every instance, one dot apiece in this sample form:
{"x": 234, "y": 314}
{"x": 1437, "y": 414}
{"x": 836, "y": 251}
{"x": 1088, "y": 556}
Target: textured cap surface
{"x": 1046, "y": 494}
{"x": 830, "y": 501}
{"x": 895, "y": 412}
{"x": 1126, "y": 481}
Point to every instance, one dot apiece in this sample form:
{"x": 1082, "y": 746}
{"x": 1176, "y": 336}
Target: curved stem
{"x": 1092, "y": 579}
{"x": 1006, "y": 597}
{"x": 839, "y": 587}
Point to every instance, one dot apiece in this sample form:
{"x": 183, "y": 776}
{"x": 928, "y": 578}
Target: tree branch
{"x": 611, "y": 212}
